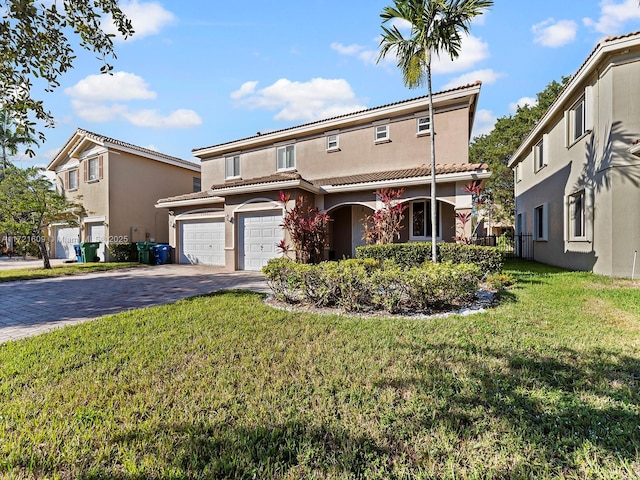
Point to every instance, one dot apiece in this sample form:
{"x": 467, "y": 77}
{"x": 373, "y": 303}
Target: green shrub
{"x": 284, "y": 278}
{"x": 500, "y": 281}
{"x": 123, "y": 252}
{"x": 439, "y": 285}
{"x": 413, "y": 254}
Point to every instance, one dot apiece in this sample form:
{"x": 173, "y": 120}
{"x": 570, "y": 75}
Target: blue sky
{"x": 199, "y": 73}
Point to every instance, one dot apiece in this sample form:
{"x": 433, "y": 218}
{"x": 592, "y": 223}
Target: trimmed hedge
{"x": 414, "y": 254}
{"x": 369, "y": 285}
{"x": 123, "y": 252}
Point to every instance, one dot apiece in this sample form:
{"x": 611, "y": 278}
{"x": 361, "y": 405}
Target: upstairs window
{"x": 232, "y": 168}
{"x": 197, "y": 184}
{"x": 423, "y": 125}
{"x": 577, "y": 120}
{"x": 382, "y": 133}
{"x": 286, "y": 157}
{"x": 539, "y": 157}
{"x": 332, "y": 142}
{"x": 72, "y": 182}
{"x": 93, "y": 169}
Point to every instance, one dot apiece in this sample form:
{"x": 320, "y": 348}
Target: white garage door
{"x": 202, "y": 242}
{"x": 259, "y": 233}
{"x": 66, "y": 238}
{"x": 96, "y": 232}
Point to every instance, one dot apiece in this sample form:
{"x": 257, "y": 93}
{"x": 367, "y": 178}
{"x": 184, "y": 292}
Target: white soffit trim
{"x": 261, "y": 187}
{"x": 101, "y": 218}
{"x": 187, "y": 203}
{"x": 200, "y": 216}
{"x": 407, "y": 182}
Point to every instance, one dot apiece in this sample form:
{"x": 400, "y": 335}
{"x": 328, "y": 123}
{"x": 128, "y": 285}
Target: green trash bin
{"x": 145, "y": 255}
{"x": 89, "y": 251}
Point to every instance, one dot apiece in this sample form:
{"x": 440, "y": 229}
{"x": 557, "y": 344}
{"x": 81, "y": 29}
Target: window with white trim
{"x": 577, "y": 230}
{"x": 423, "y": 125}
{"x": 72, "y": 184}
{"x": 94, "y": 167}
{"x": 541, "y": 223}
{"x": 518, "y": 172}
{"x": 333, "y": 142}
{"x": 420, "y": 220}
{"x": 286, "y": 157}
{"x": 382, "y": 133}
{"x": 539, "y": 155}
{"x": 232, "y": 167}
{"x": 577, "y": 120}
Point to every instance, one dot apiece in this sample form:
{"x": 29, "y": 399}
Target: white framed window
{"x": 579, "y": 117}
{"x": 286, "y": 157}
{"x": 518, "y": 173}
{"x": 541, "y": 223}
{"x": 72, "y": 183}
{"x": 381, "y": 133}
{"x": 93, "y": 169}
{"x": 577, "y": 216}
{"x": 333, "y": 142}
{"x": 232, "y": 167}
{"x": 423, "y": 125}
{"x": 420, "y": 220}
{"x": 577, "y": 120}
{"x": 539, "y": 155}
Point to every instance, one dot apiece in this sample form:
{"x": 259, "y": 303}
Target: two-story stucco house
{"x": 577, "y": 175}
{"x": 118, "y": 185}
{"x": 336, "y": 164}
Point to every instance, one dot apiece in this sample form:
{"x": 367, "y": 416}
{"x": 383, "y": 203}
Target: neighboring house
{"x": 117, "y": 184}
{"x": 336, "y": 164}
{"x": 577, "y": 175}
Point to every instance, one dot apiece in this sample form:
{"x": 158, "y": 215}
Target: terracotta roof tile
{"x": 186, "y": 196}
{"x": 276, "y": 177}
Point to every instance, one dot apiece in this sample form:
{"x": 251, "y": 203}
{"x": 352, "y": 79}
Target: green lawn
{"x": 547, "y": 385}
{"x": 12, "y": 275}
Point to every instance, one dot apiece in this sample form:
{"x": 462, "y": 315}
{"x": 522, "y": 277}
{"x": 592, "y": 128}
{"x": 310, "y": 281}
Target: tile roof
{"x": 379, "y": 107}
{"x": 186, "y": 196}
{"x": 276, "y": 177}
{"x": 101, "y": 138}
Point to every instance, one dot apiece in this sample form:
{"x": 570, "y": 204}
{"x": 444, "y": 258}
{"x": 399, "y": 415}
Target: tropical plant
{"x": 386, "y": 223}
{"x": 11, "y": 137}
{"x": 436, "y": 27}
{"x": 307, "y": 228}
{"x": 29, "y": 205}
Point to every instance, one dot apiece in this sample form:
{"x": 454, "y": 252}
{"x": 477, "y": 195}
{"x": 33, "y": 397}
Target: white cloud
{"x": 401, "y": 24}
{"x": 554, "y": 34}
{"x": 100, "y": 98}
{"x": 473, "y": 50}
{"x": 613, "y": 16}
{"x": 120, "y": 86}
{"x": 484, "y": 122}
{"x": 303, "y": 101}
{"x": 147, "y": 18}
{"x": 247, "y": 88}
{"x": 486, "y": 76}
{"x": 532, "y": 102}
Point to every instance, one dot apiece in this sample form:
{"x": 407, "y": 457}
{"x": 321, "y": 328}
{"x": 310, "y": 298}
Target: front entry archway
{"x": 346, "y": 230}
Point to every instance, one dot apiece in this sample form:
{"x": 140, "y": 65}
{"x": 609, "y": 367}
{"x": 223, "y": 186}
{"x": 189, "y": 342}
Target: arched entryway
{"x": 346, "y": 229}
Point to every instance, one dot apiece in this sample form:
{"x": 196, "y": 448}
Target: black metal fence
{"x": 520, "y": 246}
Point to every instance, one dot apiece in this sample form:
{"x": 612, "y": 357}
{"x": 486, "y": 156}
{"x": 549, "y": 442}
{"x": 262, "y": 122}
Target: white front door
{"x": 258, "y": 235}
{"x": 96, "y": 233}
{"x": 202, "y": 242}
{"x": 66, "y": 238}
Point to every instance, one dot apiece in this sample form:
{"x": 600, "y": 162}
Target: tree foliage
{"x": 29, "y": 204}
{"x": 436, "y": 27}
{"x": 497, "y": 147}
{"x": 386, "y": 223}
{"x": 35, "y": 46}
{"x": 11, "y": 137}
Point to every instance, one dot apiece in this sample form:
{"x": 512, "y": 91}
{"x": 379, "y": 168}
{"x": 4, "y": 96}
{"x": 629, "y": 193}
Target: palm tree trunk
{"x": 434, "y": 218}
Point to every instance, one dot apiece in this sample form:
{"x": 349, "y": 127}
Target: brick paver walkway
{"x": 32, "y": 307}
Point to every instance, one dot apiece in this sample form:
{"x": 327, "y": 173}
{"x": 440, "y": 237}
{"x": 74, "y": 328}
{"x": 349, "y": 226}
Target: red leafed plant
{"x": 476, "y": 190}
{"x": 386, "y": 223}
{"x": 307, "y": 228}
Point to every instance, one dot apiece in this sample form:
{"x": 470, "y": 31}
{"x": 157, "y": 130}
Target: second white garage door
{"x": 66, "y": 238}
{"x": 202, "y": 242}
{"x": 258, "y": 235}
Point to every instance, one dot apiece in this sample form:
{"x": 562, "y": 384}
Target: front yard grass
{"x": 547, "y": 385}
{"x": 12, "y": 275}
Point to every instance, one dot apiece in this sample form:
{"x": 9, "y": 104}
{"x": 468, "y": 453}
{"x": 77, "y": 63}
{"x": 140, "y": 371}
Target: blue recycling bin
{"x": 78, "y": 251}
{"x": 161, "y": 253}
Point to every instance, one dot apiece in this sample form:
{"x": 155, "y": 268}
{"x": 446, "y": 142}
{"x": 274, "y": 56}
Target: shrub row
{"x": 488, "y": 259}
{"x": 366, "y": 284}
{"x": 123, "y": 252}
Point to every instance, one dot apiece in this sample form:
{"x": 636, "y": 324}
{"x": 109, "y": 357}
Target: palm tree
{"x": 10, "y": 140}
{"x": 436, "y": 27}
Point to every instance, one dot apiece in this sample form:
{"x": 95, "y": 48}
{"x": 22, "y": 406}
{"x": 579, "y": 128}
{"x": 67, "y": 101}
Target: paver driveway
{"x": 35, "y": 306}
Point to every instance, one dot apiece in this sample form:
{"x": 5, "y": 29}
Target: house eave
{"x": 191, "y": 202}
{"x": 262, "y": 187}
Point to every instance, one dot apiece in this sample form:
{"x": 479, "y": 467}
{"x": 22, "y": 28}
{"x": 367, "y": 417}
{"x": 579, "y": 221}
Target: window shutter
{"x": 589, "y": 108}
{"x": 65, "y": 181}
{"x": 567, "y": 128}
{"x": 545, "y": 221}
{"x": 534, "y": 155}
{"x": 545, "y": 149}
{"x": 589, "y": 213}
{"x": 566, "y": 225}
{"x": 86, "y": 170}
{"x": 100, "y": 167}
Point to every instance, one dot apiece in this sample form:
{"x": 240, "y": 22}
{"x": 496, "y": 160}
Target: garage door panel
{"x": 258, "y": 235}
{"x": 66, "y": 238}
{"x": 202, "y": 242}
